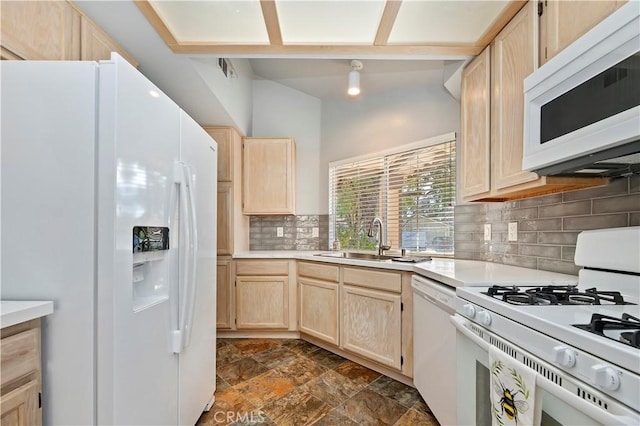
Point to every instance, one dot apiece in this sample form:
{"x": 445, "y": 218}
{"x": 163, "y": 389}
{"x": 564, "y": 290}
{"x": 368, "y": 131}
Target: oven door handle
{"x": 582, "y": 405}
{"x": 460, "y": 325}
{"x": 562, "y": 394}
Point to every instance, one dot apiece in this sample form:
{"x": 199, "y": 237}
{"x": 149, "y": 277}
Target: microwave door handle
{"x": 584, "y": 406}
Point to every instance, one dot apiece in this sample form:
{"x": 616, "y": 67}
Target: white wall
{"x": 367, "y": 124}
{"x": 234, "y": 94}
{"x": 281, "y": 111}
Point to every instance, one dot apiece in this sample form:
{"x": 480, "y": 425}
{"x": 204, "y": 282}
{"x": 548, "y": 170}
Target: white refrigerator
{"x": 108, "y": 198}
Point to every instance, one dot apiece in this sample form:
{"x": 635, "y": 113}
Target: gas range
{"x": 591, "y": 330}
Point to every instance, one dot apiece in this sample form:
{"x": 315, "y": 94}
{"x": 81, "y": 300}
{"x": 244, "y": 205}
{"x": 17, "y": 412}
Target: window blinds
{"x": 413, "y": 192}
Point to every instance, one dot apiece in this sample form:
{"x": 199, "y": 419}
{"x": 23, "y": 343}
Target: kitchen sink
{"x": 361, "y": 256}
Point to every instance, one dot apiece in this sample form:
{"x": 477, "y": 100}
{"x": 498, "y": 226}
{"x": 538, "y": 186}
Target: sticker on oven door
{"x": 512, "y": 390}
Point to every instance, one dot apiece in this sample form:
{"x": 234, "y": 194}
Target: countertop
{"x": 14, "y": 312}
{"x": 453, "y": 272}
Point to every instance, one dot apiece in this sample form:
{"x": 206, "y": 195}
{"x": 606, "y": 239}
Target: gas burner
{"x": 555, "y": 295}
{"x": 625, "y": 329}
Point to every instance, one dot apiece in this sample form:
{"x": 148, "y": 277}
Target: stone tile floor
{"x": 290, "y": 382}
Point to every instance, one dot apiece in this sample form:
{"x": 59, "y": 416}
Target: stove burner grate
{"x": 555, "y": 295}
{"x": 625, "y": 329}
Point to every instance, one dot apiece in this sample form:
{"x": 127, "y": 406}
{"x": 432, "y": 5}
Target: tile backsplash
{"x": 548, "y": 226}
{"x": 297, "y": 232}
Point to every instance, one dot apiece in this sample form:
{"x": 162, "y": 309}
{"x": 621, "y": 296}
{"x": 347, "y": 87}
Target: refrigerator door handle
{"x": 190, "y": 295}
{"x": 185, "y": 265}
{"x": 176, "y": 197}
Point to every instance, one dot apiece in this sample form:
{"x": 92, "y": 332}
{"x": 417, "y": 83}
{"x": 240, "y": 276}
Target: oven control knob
{"x": 469, "y": 310}
{"x": 564, "y": 356}
{"x": 605, "y": 377}
{"x": 484, "y": 317}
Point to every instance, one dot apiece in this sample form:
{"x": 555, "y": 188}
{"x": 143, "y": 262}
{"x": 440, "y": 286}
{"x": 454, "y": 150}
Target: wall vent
{"x": 226, "y": 67}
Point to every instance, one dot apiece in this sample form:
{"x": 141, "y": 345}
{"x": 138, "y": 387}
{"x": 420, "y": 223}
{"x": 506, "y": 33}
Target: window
{"x": 411, "y": 189}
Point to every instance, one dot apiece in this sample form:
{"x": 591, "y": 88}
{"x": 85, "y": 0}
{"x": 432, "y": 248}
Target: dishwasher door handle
{"x": 437, "y": 303}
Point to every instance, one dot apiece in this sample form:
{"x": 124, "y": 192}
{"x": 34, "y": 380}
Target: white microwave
{"x": 582, "y": 108}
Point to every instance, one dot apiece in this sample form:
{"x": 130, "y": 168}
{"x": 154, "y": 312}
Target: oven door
{"x": 557, "y": 400}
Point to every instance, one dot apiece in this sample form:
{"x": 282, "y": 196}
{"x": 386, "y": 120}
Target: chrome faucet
{"x": 381, "y": 246}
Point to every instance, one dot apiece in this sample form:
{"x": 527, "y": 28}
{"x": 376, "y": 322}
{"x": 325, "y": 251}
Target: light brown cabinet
{"x": 225, "y": 295}
{"x": 233, "y": 226}
{"x": 318, "y": 294}
{"x": 371, "y": 324}
{"x": 268, "y": 179}
{"x": 562, "y": 22}
{"x": 40, "y": 30}
{"x": 21, "y": 374}
{"x": 53, "y": 30}
{"x": 492, "y": 114}
{"x": 96, "y": 45}
{"x": 475, "y": 157}
{"x": 263, "y": 295}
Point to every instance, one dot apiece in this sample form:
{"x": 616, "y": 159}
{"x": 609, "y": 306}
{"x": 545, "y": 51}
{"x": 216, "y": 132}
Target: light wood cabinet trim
{"x": 319, "y": 309}
{"x": 20, "y": 407}
{"x": 262, "y": 267}
{"x": 372, "y": 278}
{"x": 475, "y": 123}
{"x": 224, "y": 219}
{"x": 542, "y": 186}
{"x": 262, "y": 302}
{"x": 371, "y": 325}
{"x": 42, "y": 30}
{"x": 20, "y": 355}
{"x": 407, "y": 325}
{"x": 268, "y": 181}
{"x": 229, "y": 141}
{"x": 95, "y": 44}
{"x": 225, "y": 293}
{"x": 513, "y": 57}
{"x": 319, "y": 271}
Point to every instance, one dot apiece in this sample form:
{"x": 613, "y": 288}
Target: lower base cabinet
{"x": 262, "y": 302}
{"x": 21, "y": 376}
{"x": 224, "y": 295}
{"x": 319, "y": 309}
{"x": 371, "y": 325}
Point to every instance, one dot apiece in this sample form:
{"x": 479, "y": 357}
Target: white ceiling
{"x": 327, "y": 78}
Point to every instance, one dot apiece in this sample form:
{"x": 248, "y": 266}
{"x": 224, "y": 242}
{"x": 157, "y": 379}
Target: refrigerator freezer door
{"x": 48, "y": 220}
{"x": 198, "y": 358}
{"x": 139, "y": 148}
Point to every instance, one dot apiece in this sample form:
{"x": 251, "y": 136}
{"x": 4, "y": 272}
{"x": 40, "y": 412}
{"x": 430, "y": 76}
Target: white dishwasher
{"x": 434, "y": 347}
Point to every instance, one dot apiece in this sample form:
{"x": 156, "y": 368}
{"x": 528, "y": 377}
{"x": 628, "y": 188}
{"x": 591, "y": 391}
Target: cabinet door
{"x": 371, "y": 325}
{"x": 227, "y": 138}
{"x": 20, "y": 407}
{"x": 40, "y": 30}
{"x": 475, "y": 126}
{"x": 262, "y": 302}
{"x": 319, "y": 309}
{"x": 513, "y": 57}
{"x": 563, "y": 21}
{"x": 224, "y": 295}
{"x": 225, "y": 219}
{"x": 96, "y": 45}
{"x": 268, "y": 176}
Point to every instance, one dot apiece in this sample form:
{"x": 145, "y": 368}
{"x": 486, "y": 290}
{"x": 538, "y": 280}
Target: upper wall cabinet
{"x": 40, "y": 30}
{"x": 268, "y": 178}
{"x": 53, "y": 30}
{"x": 233, "y": 226}
{"x": 562, "y": 22}
{"x": 493, "y": 117}
{"x": 96, "y": 45}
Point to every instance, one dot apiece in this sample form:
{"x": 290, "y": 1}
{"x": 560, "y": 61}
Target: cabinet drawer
{"x": 382, "y": 280}
{"x": 319, "y": 271}
{"x": 262, "y": 267}
{"x": 19, "y": 355}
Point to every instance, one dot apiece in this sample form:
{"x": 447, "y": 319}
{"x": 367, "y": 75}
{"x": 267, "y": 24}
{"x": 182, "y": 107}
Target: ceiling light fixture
{"x": 354, "y": 78}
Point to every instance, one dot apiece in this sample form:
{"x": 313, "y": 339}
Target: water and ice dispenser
{"x": 150, "y": 278}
